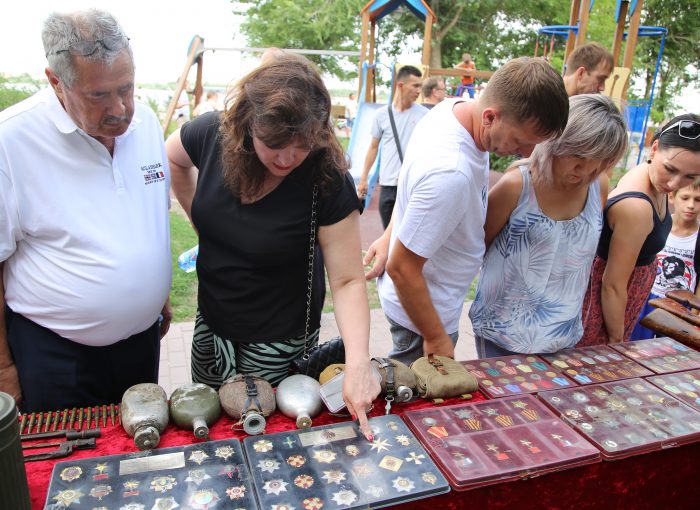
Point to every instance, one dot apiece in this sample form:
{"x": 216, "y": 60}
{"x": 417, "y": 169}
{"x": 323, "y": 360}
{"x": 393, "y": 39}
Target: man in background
{"x": 587, "y": 69}
{"x": 406, "y": 114}
{"x": 84, "y": 226}
{"x": 434, "y": 91}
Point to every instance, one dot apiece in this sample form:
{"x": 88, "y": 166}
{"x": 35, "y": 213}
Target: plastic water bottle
{"x": 188, "y": 259}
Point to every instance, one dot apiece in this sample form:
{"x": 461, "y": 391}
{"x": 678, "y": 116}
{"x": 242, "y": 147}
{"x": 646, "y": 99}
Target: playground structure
{"x": 627, "y": 12}
{"x": 195, "y": 56}
{"x": 371, "y": 14}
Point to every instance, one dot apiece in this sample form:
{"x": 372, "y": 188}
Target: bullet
{"x": 89, "y": 417}
{"x": 31, "y": 422}
{"x": 39, "y": 421}
{"x": 48, "y": 421}
{"x": 80, "y": 418}
{"x": 22, "y": 423}
{"x": 71, "y": 419}
{"x": 104, "y": 415}
{"x": 111, "y": 413}
{"x": 55, "y": 421}
{"x": 63, "y": 419}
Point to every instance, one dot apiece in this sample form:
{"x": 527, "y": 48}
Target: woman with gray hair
{"x": 542, "y": 227}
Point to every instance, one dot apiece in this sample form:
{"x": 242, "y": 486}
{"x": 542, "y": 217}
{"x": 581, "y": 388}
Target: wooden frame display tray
{"x": 334, "y": 466}
{"x": 625, "y": 418}
{"x": 489, "y": 442}
{"x": 594, "y": 365}
{"x": 516, "y": 375}
{"x": 660, "y": 355}
{"x": 205, "y": 475}
{"x": 685, "y": 386}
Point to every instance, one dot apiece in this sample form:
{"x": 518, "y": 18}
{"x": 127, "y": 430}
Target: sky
{"x": 160, "y": 32}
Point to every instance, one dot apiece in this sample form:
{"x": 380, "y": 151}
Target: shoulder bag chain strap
{"x": 310, "y": 280}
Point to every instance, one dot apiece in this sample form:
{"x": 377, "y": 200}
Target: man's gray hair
{"x": 596, "y": 130}
{"x": 64, "y": 30}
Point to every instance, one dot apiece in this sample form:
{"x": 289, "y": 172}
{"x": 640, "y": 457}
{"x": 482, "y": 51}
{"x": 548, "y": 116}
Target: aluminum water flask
{"x": 298, "y": 397}
{"x": 144, "y": 412}
{"x": 195, "y": 406}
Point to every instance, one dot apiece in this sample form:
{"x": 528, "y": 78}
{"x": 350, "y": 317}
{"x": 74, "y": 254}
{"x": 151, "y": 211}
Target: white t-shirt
{"x": 406, "y": 121}
{"x": 440, "y": 213}
{"x": 676, "y": 269}
{"x": 84, "y": 235}
{"x": 351, "y": 109}
{"x": 183, "y": 106}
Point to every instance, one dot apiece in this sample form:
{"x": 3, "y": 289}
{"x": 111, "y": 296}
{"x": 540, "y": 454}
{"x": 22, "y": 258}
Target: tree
{"x": 9, "y": 94}
{"x": 308, "y": 24}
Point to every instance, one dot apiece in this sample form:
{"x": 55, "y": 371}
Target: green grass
{"x": 183, "y": 295}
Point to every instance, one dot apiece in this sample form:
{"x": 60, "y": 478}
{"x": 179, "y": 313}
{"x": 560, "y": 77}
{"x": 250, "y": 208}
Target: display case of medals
{"x": 627, "y": 417}
{"x": 516, "y": 375}
{"x": 660, "y": 355}
{"x": 199, "y": 476}
{"x": 592, "y": 365}
{"x": 498, "y": 440}
{"x": 334, "y": 466}
{"x": 685, "y": 386}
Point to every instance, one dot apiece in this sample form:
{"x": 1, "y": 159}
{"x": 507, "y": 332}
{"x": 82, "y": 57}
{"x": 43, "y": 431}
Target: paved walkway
{"x": 176, "y": 346}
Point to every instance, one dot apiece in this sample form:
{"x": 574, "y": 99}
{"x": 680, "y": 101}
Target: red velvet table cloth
{"x": 665, "y": 479}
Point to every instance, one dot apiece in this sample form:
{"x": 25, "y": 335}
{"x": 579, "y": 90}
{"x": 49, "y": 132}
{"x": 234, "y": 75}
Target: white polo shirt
{"x": 84, "y": 235}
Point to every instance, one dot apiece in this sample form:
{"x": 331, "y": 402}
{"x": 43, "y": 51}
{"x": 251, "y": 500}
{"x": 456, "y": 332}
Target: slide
{"x": 359, "y": 143}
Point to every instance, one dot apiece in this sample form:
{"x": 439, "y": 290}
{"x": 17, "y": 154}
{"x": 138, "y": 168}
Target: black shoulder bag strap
{"x": 396, "y": 134}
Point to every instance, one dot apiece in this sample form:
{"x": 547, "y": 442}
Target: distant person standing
{"x": 350, "y": 113}
{"x": 182, "y": 109}
{"x": 466, "y": 82}
{"x": 405, "y": 114}
{"x": 587, "y": 69}
{"x": 434, "y": 91}
{"x": 210, "y": 104}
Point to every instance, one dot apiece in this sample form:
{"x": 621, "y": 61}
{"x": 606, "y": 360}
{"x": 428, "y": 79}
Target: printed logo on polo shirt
{"x": 153, "y": 173}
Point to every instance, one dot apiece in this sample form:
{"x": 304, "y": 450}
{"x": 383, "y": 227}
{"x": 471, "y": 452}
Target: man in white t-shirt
{"x": 84, "y": 230}
{"x": 435, "y": 242}
{"x": 182, "y": 109}
{"x": 406, "y": 114}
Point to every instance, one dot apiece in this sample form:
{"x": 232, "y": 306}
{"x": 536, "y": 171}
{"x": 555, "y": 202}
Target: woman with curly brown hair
{"x": 259, "y": 182}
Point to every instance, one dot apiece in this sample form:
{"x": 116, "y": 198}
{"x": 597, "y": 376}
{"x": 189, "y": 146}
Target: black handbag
{"x": 319, "y": 357}
{"x": 315, "y": 359}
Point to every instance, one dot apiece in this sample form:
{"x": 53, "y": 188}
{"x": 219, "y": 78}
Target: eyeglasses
{"x": 87, "y": 48}
{"x": 688, "y": 129}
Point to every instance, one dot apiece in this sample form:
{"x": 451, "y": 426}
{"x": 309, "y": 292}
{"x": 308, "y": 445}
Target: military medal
{"x": 165, "y": 504}
{"x": 100, "y": 491}
{"x": 403, "y": 484}
{"x": 203, "y": 499}
{"x": 71, "y": 473}
{"x": 224, "y": 452}
{"x": 197, "y": 476}
{"x": 344, "y": 497}
{"x": 304, "y": 481}
{"x": 130, "y": 487}
{"x": 268, "y": 465}
{"x": 312, "y": 504}
{"x": 390, "y": 463}
{"x": 163, "y": 484}
{"x": 275, "y": 486}
{"x": 67, "y": 498}
{"x": 198, "y": 456}
{"x": 334, "y": 476}
{"x": 262, "y": 446}
{"x": 237, "y": 492}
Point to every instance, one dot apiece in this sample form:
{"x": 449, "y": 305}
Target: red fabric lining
{"x": 658, "y": 480}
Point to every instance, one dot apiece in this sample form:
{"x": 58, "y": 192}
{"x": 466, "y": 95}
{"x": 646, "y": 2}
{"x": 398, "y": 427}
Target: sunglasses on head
{"x": 87, "y": 48}
{"x": 688, "y": 129}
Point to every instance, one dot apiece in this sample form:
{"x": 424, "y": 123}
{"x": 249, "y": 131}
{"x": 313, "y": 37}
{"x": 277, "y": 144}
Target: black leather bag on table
{"x": 315, "y": 359}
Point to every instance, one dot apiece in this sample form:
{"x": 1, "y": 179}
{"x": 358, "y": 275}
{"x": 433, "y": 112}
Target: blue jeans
{"x": 488, "y": 349}
{"x": 407, "y": 344}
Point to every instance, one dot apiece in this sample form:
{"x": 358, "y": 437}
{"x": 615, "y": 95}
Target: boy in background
{"x": 676, "y": 268}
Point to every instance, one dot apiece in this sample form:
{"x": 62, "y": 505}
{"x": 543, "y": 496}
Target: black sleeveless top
{"x": 654, "y": 242}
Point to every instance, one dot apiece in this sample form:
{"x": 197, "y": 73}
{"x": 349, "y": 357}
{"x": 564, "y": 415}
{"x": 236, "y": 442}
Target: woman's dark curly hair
{"x": 281, "y": 102}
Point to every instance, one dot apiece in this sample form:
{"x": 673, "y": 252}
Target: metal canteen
{"x": 248, "y": 399}
{"x": 144, "y": 411}
{"x": 298, "y": 397}
{"x": 195, "y": 406}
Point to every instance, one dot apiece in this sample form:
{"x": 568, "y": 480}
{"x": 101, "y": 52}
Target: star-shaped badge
{"x": 344, "y": 497}
{"x": 275, "y": 486}
{"x": 262, "y": 446}
{"x": 380, "y": 444}
{"x": 268, "y": 465}
{"x": 224, "y": 452}
{"x": 403, "y": 484}
{"x": 198, "y": 456}
{"x": 325, "y": 456}
{"x": 334, "y": 476}
{"x": 237, "y": 492}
